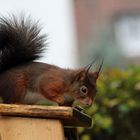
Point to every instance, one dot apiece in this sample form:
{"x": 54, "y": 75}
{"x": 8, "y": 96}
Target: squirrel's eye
{"x": 83, "y": 90}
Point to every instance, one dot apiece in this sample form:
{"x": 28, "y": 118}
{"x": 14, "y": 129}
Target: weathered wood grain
{"x": 22, "y": 128}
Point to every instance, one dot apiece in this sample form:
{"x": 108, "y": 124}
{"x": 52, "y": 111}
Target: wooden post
{"x": 16, "y": 128}
{"x": 31, "y": 122}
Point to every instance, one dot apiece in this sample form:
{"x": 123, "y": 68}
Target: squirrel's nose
{"x": 89, "y": 102}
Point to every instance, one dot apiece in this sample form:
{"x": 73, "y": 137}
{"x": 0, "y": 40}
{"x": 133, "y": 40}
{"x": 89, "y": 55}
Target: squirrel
{"x": 25, "y": 81}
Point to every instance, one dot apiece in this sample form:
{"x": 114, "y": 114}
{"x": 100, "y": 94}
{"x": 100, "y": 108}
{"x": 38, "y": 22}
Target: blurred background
{"x": 79, "y": 30}
{"x": 110, "y": 28}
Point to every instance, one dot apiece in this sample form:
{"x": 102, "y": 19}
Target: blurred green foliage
{"x": 116, "y": 111}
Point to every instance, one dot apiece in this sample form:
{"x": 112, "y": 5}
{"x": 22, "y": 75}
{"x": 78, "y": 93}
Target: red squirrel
{"x": 22, "y": 79}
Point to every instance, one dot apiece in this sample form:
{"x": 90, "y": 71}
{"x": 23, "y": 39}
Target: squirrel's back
{"x": 20, "y": 41}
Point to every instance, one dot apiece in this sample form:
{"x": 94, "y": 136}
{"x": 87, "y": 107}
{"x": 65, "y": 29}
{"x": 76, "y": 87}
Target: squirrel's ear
{"x": 80, "y": 75}
{"x": 95, "y": 75}
{"x": 83, "y": 73}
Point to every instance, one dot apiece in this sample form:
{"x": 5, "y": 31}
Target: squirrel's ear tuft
{"x": 97, "y": 73}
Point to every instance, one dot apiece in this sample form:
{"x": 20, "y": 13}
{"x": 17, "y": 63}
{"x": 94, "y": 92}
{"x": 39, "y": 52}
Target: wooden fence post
{"x": 32, "y": 122}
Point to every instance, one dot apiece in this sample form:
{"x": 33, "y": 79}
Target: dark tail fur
{"x": 20, "y": 42}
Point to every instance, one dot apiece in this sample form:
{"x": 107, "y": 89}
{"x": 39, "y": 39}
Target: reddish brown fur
{"x": 54, "y": 83}
{"x": 20, "y": 87}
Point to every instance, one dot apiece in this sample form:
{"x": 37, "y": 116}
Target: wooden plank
{"x": 35, "y": 111}
{"x": 69, "y": 116}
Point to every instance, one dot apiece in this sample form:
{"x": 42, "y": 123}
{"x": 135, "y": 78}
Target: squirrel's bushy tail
{"x": 20, "y": 41}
